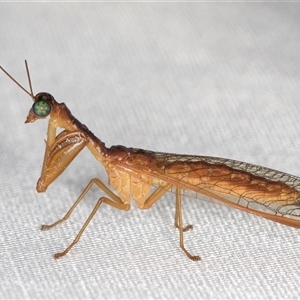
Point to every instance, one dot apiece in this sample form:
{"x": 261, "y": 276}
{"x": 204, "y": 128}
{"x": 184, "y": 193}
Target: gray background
{"x": 218, "y": 79}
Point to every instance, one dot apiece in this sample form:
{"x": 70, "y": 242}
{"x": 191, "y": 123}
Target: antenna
{"x": 28, "y": 76}
{"x": 19, "y": 85}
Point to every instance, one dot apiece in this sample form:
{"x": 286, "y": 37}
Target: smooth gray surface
{"x": 219, "y": 79}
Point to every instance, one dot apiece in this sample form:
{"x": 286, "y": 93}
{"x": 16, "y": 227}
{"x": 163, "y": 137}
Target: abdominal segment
{"x": 253, "y": 187}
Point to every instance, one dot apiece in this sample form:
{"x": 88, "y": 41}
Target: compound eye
{"x": 41, "y": 108}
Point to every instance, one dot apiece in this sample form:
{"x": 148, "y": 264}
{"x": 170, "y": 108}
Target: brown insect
{"x": 134, "y": 173}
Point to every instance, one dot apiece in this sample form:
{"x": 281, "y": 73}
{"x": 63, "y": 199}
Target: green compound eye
{"x": 41, "y": 108}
